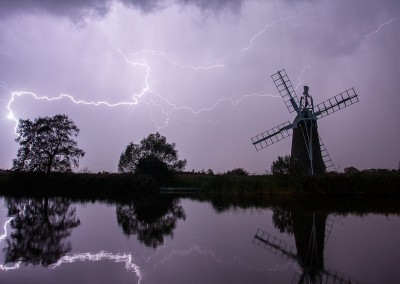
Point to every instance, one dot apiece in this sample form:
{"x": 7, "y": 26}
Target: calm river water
{"x": 184, "y": 240}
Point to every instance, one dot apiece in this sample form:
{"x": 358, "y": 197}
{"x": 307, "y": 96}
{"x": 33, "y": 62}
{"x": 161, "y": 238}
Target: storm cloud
{"x": 74, "y": 9}
{"x": 77, "y": 10}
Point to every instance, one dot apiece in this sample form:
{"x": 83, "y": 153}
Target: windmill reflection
{"x": 310, "y": 230}
{"x": 40, "y": 228}
{"x": 150, "y": 218}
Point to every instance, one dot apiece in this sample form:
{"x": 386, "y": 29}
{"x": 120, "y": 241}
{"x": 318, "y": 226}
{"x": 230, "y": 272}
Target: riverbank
{"x": 373, "y": 182}
{"x": 76, "y": 185}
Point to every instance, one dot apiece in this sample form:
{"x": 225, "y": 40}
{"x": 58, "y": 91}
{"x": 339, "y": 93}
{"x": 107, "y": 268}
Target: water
{"x": 182, "y": 240}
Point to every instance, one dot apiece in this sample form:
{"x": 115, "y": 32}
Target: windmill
{"x": 308, "y": 149}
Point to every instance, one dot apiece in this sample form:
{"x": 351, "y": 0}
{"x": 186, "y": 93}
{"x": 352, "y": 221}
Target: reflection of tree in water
{"x": 39, "y": 230}
{"x": 151, "y": 219}
{"x": 282, "y": 220}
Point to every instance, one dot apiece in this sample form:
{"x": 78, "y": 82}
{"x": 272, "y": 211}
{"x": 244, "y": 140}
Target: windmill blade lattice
{"x": 274, "y": 244}
{"x": 336, "y": 103}
{"x": 325, "y": 155}
{"x": 286, "y": 90}
{"x": 272, "y": 135}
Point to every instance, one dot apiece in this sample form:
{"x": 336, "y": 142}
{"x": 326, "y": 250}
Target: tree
{"x": 152, "y": 156}
{"x": 285, "y": 166}
{"x": 210, "y": 172}
{"x": 47, "y": 144}
{"x": 237, "y": 172}
{"x": 350, "y": 170}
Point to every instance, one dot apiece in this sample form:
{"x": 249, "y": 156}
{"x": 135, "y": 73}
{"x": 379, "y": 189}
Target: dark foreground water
{"x": 181, "y": 240}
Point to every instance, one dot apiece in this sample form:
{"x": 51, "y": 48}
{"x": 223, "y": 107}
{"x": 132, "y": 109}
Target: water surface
{"x": 181, "y": 240}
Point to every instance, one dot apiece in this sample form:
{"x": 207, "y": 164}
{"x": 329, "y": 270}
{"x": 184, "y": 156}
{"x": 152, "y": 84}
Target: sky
{"x": 199, "y": 73}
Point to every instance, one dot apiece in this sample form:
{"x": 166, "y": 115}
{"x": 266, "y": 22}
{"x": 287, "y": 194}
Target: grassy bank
{"x": 373, "y": 182}
{"x": 123, "y": 185}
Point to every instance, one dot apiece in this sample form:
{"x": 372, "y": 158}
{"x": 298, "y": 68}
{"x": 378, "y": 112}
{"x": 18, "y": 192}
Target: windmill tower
{"x": 307, "y": 148}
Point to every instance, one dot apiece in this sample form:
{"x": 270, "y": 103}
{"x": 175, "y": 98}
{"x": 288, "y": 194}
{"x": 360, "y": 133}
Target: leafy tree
{"x": 47, "y": 144}
{"x": 350, "y": 170}
{"x": 285, "y": 166}
{"x": 210, "y": 172}
{"x": 152, "y": 156}
{"x": 237, "y": 172}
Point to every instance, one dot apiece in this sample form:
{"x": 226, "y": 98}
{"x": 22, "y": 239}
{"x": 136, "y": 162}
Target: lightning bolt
{"x": 102, "y": 255}
{"x": 3, "y": 236}
{"x": 160, "y": 107}
{"x": 323, "y": 11}
{"x": 299, "y": 79}
{"x": 11, "y": 114}
{"x": 204, "y": 66}
{"x": 174, "y": 106}
{"x": 4, "y": 86}
{"x": 219, "y": 101}
{"x": 200, "y": 251}
{"x": 381, "y": 26}
{"x": 6, "y": 267}
{"x": 253, "y": 38}
{"x": 235, "y": 261}
{"x": 135, "y": 98}
{"x": 193, "y": 111}
{"x": 134, "y": 101}
{"x": 284, "y": 19}
{"x": 87, "y": 256}
{"x": 163, "y": 103}
{"x": 144, "y": 65}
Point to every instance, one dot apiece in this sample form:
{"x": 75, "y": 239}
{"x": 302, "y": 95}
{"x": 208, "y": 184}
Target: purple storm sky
{"x": 199, "y": 73}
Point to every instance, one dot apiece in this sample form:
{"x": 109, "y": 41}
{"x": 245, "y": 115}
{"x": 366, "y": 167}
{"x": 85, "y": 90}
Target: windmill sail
{"x": 272, "y": 135}
{"x": 325, "y": 155}
{"x": 336, "y": 103}
{"x": 286, "y": 90}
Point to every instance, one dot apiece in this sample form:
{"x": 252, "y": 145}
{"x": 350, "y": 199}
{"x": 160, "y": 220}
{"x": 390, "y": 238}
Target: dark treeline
{"x": 80, "y": 186}
{"x": 122, "y": 185}
{"x": 375, "y": 182}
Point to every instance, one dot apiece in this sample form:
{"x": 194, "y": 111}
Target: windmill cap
{"x": 306, "y": 88}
